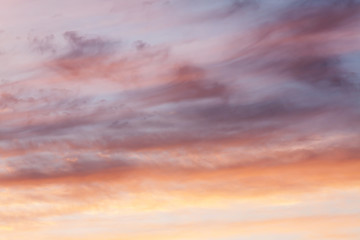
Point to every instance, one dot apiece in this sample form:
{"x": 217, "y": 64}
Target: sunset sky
{"x": 180, "y": 120}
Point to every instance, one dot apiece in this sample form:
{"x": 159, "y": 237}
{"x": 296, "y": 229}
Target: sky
{"x": 179, "y": 119}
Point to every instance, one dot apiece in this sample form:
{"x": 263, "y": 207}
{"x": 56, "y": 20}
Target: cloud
{"x": 106, "y": 123}
{"x": 43, "y": 45}
{"x": 299, "y": 43}
{"x": 232, "y": 9}
{"x": 83, "y": 54}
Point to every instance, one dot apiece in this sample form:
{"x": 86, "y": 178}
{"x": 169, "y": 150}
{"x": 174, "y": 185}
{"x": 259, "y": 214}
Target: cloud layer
{"x": 164, "y": 106}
